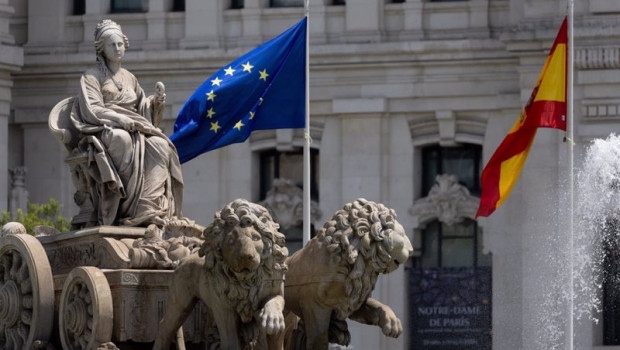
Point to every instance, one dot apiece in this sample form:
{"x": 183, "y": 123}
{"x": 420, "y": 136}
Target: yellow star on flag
{"x": 216, "y": 81}
{"x": 247, "y": 67}
{"x": 229, "y": 71}
{"x": 210, "y": 113}
{"x": 252, "y": 115}
{"x": 239, "y": 125}
{"x": 211, "y": 96}
{"x": 215, "y": 127}
{"x": 263, "y": 74}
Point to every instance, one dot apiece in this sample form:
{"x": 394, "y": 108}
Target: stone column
{"x": 414, "y": 10}
{"x": 45, "y": 24}
{"x": 250, "y": 22}
{"x": 479, "y": 17}
{"x": 95, "y": 10}
{"x": 11, "y": 60}
{"x": 19, "y": 194}
{"x": 364, "y": 20}
{"x": 156, "y": 26}
{"x": 203, "y": 24}
{"x": 4, "y": 149}
{"x": 317, "y": 22}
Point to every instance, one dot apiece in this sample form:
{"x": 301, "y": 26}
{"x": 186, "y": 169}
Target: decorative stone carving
{"x": 597, "y": 58}
{"x": 332, "y": 277}
{"x": 26, "y": 292}
{"x": 163, "y": 249}
{"x": 153, "y": 251}
{"x": 285, "y": 204}
{"x": 42, "y": 230}
{"x": 606, "y": 111}
{"x": 12, "y": 228}
{"x": 239, "y": 275}
{"x": 85, "y": 311}
{"x": 447, "y": 201}
{"x": 125, "y": 169}
{"x": 104, "y": 246}
{"x": 19, "y": 194}
{"x": 69, "y": 256}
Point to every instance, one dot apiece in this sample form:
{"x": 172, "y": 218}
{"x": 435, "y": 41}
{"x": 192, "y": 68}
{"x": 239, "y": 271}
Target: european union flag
{"x": 263, "y": 89}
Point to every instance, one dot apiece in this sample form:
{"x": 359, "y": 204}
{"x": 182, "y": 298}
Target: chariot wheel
{"x": 26, "y": 292}
{"x": 85, "y": 314}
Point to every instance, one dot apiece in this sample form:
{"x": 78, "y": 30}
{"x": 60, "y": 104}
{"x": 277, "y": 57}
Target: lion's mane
{"x": 359, "y": 239}
{"x": 244, "y": 296}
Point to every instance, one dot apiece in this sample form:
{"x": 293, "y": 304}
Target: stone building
{"x": 401, "y": 92}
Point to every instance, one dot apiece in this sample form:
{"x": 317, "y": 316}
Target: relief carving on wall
{"x": 285, "y": 204}
{"x": 447, "y": 201}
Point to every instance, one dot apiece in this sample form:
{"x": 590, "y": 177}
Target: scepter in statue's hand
{"x": 158, "y": 102}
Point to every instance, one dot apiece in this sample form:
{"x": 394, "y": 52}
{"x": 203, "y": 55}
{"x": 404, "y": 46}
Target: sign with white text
{"x": 450, "y": 308}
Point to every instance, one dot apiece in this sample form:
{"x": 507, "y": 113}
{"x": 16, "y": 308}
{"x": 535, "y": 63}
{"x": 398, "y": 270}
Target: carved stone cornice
{"x": 447, "y": 201}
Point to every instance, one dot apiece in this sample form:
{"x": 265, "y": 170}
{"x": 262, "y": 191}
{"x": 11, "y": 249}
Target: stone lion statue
{"x": 239, "y": 275}
{"x": 332, "y": 277}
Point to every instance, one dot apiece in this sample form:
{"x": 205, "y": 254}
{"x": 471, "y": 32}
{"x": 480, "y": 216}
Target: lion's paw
{"x": 389, "y": 323}
{"x": 271, "y": 319}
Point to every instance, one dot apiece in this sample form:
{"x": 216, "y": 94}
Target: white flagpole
{"x": 570, "y": 136}
{"x": 308, "y": 140}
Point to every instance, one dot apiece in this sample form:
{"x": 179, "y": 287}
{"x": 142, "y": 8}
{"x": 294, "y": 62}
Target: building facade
{"x": 409, "y": 99}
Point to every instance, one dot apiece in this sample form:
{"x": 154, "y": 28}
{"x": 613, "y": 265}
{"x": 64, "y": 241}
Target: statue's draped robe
{"x": 137, "y": 175}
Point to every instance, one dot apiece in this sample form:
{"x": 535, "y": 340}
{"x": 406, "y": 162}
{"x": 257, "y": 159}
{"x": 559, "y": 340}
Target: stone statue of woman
{"x": 135, "y": 167}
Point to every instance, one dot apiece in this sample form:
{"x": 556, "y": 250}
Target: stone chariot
{"x": 94, "y": 287}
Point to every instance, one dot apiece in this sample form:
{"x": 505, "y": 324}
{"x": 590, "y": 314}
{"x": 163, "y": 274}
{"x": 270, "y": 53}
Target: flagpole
{"x": 571, "y": 144}
{"x": 308, "y": 140}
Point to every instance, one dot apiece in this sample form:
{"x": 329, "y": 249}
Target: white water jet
{"x": 596, "y": 228}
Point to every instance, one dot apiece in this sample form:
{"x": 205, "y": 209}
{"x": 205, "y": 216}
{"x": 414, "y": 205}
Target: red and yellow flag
{"x": 546, "y": 108}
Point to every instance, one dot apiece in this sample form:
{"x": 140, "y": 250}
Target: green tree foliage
{"x": 48, "y": 214}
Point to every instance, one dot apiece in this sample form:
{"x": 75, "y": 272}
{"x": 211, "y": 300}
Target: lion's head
{"x": 243, "y": 248}
{"x": 365, "y": 238}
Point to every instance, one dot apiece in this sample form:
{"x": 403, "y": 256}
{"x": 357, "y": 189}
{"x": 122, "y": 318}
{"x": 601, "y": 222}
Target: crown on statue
{"x": 105, "y": 25}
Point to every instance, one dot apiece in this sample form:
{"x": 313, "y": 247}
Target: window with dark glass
{"x": 178, "y": 6}
{"x": 457, "y": 245}
{"x": 237, "y": 4}
{"x": 286, "y": 3}
{"x": 79, "y": 7}
{"x": 463, "y": 161}
{"x": 289, "y": 165}
{"x": 129, "y": 6}
{"x": 338, "y": 2}
{"x": 398, "y": 1}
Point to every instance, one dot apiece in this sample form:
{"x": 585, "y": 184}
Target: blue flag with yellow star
{"x": 263, "y": 89}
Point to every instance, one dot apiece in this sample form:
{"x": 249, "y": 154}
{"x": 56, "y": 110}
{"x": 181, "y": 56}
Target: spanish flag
{"x": 546, "y": 108}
